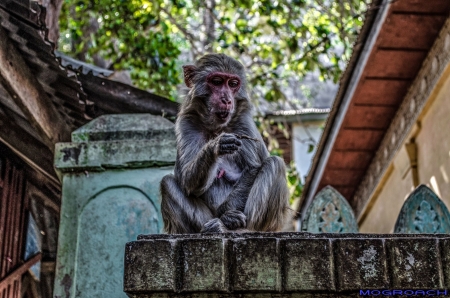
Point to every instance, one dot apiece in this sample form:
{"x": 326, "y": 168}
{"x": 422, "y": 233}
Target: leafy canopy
{"x": 275, "y": 40}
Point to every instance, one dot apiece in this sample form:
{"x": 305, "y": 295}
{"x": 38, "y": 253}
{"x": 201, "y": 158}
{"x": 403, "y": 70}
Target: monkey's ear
{"x": 189, "y": 73}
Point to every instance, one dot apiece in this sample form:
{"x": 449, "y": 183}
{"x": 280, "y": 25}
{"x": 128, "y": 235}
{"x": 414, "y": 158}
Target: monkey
{"x": 224, "y": 177}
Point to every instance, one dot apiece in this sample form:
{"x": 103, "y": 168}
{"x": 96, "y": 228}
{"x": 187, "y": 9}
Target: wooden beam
{"x": 37, "y": 193}
{"x": 48, "y": 267}
{"x": 10, "y": 278}
{"x": 29, "y": 95}
{"x": 33, "y": 152}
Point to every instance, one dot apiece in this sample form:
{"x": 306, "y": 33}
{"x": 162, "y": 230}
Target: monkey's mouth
{"x": 223, "y": 114}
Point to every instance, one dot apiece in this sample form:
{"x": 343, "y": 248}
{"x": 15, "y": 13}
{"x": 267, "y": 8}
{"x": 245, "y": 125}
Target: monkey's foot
{"x": 234, "y": 219}
{"x": 214, "y": 225}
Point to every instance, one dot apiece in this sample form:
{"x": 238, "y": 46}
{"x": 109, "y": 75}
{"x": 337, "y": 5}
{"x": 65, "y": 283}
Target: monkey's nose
{"x": 225, "y": 100}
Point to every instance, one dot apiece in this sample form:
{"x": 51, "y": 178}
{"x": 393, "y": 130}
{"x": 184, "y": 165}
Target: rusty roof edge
{"x": 40, "y": 25}
{"x": 53, "y": 46}
{"x": 35, "y": 16}
{"x": 81, "y": 66}
{"x": 369, "y": 32}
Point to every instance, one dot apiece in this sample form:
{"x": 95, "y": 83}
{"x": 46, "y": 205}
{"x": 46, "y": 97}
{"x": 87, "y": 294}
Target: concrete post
{"x": 110, "y": 175}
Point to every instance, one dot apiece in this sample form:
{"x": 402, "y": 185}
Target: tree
{"x": 276, "y": 40}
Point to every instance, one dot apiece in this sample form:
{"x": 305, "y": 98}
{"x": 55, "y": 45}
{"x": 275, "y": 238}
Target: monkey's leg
{"x": 214, "y": 225}
{"x": 231, "y": 212}
{"x": 181, "y": 214}
{"x": 267, "y": 204}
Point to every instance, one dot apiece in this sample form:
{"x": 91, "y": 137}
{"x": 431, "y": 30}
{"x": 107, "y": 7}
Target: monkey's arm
{"x": 196, "y": 166}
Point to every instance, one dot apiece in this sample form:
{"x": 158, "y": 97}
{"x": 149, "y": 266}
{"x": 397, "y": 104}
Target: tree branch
{"x": 191, "y": 38}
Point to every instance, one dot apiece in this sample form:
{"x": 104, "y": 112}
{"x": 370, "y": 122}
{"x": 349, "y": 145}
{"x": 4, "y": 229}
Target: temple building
{"x": 387, "y": 132}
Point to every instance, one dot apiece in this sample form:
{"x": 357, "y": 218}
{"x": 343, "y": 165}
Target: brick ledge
{"x": 286, "y": 264}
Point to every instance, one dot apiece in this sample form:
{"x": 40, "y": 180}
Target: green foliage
{"x": 274, "y": 39}
{"x": 294, "y": 182}
{"x": 295, "y": 185}
{"x": 128, "y": 34}
{"x": 277, "y": 152}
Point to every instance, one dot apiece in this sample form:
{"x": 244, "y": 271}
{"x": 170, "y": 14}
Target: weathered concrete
{"x": 95, "y": 150}
{"x": 125, "y": 127}
{"x": 110, "y": 194}
{"x": 284, "y": 264}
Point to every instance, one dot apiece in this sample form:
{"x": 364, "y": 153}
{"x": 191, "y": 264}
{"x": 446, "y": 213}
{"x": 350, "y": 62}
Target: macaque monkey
{"x": 224, "y": 178}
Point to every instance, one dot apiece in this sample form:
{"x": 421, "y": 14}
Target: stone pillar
{"x": 110, "y": 175}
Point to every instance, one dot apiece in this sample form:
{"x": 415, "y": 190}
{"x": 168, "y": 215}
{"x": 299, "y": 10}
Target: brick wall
{"x": 284, "y": 264}
{"x": 285, "y": 144}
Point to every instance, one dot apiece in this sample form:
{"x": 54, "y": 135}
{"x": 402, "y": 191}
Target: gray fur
{"x": 252, "y": 195}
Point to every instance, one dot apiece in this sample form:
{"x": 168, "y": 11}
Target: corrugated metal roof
{"x": 23, "y": 22}
{"x": 301, "y": 112}
{"x": 82, "y": 67}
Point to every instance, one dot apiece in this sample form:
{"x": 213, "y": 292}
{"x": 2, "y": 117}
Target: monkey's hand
{"x": 214, "y": 225}
{"x": 234, "y": 219}
{"x": 227, "y": 143}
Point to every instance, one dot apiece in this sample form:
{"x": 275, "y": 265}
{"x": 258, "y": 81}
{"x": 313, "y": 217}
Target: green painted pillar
{"x": 110, "y": 175}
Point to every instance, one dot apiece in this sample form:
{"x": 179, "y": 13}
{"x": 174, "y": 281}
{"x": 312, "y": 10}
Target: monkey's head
{"x": 217, "y": 85}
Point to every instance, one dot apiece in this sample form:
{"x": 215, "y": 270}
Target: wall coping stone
{"x": 118, "y": 142}
{"x": 124, "y": 127}
{"x": 284, "y": 264}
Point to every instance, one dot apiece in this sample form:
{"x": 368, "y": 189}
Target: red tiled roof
{"x": 405, "y": 36}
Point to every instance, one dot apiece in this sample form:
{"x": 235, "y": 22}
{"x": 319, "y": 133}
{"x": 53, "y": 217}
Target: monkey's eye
{"x": 217, "y": 81}
{"x": 233, "y": 83}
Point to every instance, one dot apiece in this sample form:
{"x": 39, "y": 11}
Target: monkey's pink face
{"x": 223, "y": 87}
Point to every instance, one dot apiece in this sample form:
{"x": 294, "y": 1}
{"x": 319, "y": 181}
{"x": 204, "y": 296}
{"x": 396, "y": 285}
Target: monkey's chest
{"x": 227, "y": 174}
{"x": 228, "y": 171}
